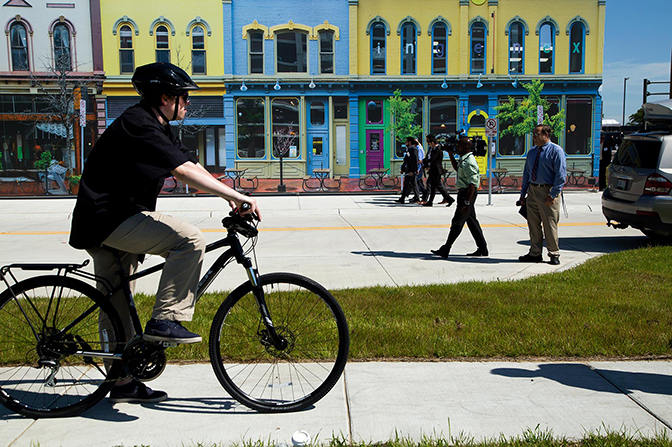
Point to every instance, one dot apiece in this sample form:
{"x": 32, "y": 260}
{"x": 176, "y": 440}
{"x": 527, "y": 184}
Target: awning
{"x": 54, "y": 128}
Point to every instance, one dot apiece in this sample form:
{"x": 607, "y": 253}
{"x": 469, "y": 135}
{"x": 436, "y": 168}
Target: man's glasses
{"x": 534, "y": 134}
{"x": 186, "y": 98}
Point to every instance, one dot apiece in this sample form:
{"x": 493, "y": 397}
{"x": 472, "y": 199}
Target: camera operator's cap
{"x": 162, "y": 78}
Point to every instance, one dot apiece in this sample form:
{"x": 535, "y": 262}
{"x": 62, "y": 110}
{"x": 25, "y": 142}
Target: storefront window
{"x": 250, "y": 113}
{"x": 417, "y": 109}
{"x": 374, "y": 112}
{"x": 340, "y": 104}
{"x": 578, "y": 130}
{"x": 286, "y": 141}
{"x": 442, "y": 117}
{"x": 292, "y": 52}
{"x": 510, "y": 145}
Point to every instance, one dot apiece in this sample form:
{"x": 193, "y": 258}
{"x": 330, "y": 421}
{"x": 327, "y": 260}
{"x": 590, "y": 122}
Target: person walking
{"x": 434, "y": 165}
{"x": 422, "y": 189}
{"x": 468, "y": 177}
{"x": 543, "y": 178}
{"x": 410, "y": 171}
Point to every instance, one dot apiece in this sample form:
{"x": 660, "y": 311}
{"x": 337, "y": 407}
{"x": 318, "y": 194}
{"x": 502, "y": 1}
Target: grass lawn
{"x": 616, "y": 305}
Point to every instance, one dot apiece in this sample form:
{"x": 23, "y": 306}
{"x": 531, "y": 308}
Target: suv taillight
{"x": 657, "y": 186}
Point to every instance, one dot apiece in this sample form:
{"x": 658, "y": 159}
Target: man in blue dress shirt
{"x": 543, "y": 179}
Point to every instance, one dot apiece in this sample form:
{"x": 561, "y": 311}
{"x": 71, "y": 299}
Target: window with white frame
{"x": 255, "y": 42}
{"x": 126, "y": 51}
{"x": 198, "y": 61}
{"x": 18, "y": 37}
{"x": 162, "y": 44}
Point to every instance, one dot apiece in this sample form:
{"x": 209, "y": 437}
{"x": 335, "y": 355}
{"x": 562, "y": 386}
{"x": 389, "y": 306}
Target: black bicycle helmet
{"x": 162, "y": 78}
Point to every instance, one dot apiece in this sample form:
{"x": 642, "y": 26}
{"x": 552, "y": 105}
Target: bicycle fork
{"x": 279, "y": 342}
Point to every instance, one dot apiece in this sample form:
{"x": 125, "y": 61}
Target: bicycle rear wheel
{"x": 267, "y": 379}
{"x": 48, "y": 373}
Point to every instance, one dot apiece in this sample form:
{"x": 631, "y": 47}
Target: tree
{"x": 637, "y": 117}
{"x": 521, "y": 116}
{"x": 403, "y": 119}
{"x": 60, "y": 89}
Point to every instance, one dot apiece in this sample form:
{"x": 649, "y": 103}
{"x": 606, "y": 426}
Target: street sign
{"x": 491, "y": 127}
{"x": 82, "y": 113}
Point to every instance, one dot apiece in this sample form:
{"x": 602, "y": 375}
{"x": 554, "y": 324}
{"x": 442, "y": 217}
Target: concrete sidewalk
{"x": 378, "y": 401}
{"x": 355, "y": 241}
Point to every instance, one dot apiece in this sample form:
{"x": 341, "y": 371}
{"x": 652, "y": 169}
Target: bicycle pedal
{"x": 169, "y": 344}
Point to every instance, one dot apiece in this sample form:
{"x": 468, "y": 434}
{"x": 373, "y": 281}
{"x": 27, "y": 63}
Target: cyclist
{"x": 116, "y": 208}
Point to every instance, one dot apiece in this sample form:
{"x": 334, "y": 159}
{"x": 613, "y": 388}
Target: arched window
{"x": 327, "y": 52}
{"x": 478, "y": 47}
{"x": 292, "y": 52}
{"x": 162, "y": 44}
{"x": 408, "y": 45}
{"x": 62, "y": 54}
{"x": 126, "y": 52}
{"x": 577, "y": 40}
{"x": 255, "y": 42}
{"x": 18, "y": 37}
{"x": 546, "y": 47}
{"x": 378, "y": 41}
{"x": 198, "y": 63}
{"x": 516, "y": 48}
{"x": 439, "y": 49}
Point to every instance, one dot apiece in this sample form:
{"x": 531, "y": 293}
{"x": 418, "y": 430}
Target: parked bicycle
{"x": 278, "y": 343}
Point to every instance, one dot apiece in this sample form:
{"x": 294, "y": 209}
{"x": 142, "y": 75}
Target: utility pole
{"x": 625, "y": 81}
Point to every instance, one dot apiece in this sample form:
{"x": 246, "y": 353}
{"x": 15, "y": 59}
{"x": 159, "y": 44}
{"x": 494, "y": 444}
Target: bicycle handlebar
{"x": 241, "y": 223}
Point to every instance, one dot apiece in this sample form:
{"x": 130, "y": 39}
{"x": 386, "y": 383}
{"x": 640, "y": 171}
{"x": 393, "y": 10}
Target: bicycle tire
{"x": 39, "y": 307}
{"x": 263, "y": 378}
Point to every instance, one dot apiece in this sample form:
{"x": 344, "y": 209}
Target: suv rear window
{"x": 638, "y": 154}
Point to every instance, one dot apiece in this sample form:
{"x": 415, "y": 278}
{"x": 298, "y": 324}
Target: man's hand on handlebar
{"x": 247, "y": 206}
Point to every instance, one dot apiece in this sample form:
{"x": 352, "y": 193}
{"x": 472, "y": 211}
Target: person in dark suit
{"x": 410, "y": 171}
{"x": 434, "y": 165}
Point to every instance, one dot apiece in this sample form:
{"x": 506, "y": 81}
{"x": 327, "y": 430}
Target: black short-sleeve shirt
{"x": 124, "y": 174}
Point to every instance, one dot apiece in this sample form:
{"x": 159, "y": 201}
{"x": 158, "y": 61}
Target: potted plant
{"x": 74, "y": 180}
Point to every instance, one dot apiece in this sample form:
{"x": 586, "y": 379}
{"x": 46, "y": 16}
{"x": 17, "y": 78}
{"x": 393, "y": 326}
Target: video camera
{"x": 449, "y": 143}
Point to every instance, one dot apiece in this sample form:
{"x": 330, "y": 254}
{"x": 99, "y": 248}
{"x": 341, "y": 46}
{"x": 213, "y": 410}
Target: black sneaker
{"x": 555, "y": 260}
{"x": 136, "y": 392}
{"x": 169, "y": 331}
{"x": 530, "y": 258}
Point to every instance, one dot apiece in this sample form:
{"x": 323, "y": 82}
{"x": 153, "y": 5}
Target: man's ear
{"x": 165, "y": 100}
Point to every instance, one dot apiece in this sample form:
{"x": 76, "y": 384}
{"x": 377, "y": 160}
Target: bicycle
{"x": 278, "y": 343}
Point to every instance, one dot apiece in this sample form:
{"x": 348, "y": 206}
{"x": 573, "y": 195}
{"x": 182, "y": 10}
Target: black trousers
{"x": 410, "y": 183}
{"x": 469, "y": 217}
{"x": 435, "y": 184}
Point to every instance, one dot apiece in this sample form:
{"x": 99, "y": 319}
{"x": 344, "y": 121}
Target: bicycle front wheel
{"x": 265, "y": 378}
{"x": 47, "y": 370}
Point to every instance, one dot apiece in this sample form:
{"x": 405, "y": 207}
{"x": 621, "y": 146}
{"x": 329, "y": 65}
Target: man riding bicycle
{"x": 116, "y": 208}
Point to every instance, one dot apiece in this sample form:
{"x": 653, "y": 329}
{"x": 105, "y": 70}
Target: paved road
{"x": 353, "y": 241}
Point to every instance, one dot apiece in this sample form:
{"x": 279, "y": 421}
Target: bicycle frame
{"x": 234, "y": 252}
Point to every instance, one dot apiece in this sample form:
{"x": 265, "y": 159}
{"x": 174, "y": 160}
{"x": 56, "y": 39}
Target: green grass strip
{"x": 615, "y": 305}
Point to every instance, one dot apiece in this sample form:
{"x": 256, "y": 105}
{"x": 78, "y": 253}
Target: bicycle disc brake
{"x": 144, "y": 360}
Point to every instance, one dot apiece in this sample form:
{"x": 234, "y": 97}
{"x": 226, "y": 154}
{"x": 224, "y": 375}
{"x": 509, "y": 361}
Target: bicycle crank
{"x": 144, "y": 360}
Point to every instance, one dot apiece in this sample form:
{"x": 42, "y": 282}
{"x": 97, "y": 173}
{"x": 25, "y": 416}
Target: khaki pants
{"x": 181, "y": 244}
{"x": 538, "y": 214}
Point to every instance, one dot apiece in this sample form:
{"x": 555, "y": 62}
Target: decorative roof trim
{"x": 326, "y": 26}
{"x": 404, "y": 21}
{"x": 125, "y": 21}
{"x": 255, "y": 26}
{"x": 551, "y": 20}
{"x": 580, "y": 20}
{"x": 375, "y": 20}
{"x": 290, "y": 26}
{"x": 161, "y": 21}
{"x": 439, "y": 19}
{"x": 479, "y": 19}
{"x": 517, "y": 19}
{"x": 199, "y": 21}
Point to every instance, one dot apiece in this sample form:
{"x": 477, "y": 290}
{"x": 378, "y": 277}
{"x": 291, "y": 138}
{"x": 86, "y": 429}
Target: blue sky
{"x": 637, "y": 44}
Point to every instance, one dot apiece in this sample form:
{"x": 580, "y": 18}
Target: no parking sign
{"x": 491, "y": 127}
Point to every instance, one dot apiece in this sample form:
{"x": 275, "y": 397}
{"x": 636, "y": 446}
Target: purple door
{"x": 374, "y": 149}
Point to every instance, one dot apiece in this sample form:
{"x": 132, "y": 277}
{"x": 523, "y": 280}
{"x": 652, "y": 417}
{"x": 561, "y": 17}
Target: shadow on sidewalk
{"x": 429, "y": 256}
{"x": 603, "y": 380}
{"x": 599, "y": 244}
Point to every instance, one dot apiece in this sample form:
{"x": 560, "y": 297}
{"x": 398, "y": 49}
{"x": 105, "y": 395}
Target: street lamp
{"x": 625, "y": 80}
